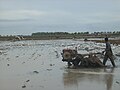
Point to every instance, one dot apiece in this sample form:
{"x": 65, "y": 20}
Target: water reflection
{"x": 103, "y": 78}
{"x": 109, "y": 78}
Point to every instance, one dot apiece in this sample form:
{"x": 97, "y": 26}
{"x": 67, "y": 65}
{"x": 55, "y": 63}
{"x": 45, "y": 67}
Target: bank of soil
{"x": 115, "y": 41}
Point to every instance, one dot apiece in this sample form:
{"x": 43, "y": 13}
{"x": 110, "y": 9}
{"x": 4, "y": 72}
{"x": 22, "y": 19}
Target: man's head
{"x": 106, "y": 39}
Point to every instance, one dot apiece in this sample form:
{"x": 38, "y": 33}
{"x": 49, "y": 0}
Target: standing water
{"x": 37, "y": 65}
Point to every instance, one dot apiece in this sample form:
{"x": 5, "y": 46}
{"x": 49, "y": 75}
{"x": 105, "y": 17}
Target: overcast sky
{"x": 29, "y": 16}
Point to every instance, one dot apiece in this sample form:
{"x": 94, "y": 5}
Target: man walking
{"x": 108, "y": 53}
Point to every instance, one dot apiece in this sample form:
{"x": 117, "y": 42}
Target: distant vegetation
{"x": 75, "y": 35}
{"x": 61, "y": 35}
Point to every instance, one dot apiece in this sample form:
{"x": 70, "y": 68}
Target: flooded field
{"x": 37, "y": 65}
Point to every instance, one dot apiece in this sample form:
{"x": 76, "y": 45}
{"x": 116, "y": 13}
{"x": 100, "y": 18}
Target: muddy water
{"x": 37, "y": 65}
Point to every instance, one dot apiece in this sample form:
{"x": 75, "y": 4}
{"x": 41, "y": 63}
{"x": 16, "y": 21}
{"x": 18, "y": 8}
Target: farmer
{"x": 108, "y": 53}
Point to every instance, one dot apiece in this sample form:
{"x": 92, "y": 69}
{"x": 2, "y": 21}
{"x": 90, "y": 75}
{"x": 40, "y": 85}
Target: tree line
{"x": 75, "y": 33}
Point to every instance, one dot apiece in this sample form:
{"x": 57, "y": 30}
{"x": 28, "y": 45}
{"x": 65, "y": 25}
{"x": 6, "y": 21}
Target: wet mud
{"x": 37, "y": 65}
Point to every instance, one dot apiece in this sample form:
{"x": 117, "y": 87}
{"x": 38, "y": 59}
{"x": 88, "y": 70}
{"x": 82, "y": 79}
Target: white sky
{"x": 29, "y": 16}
